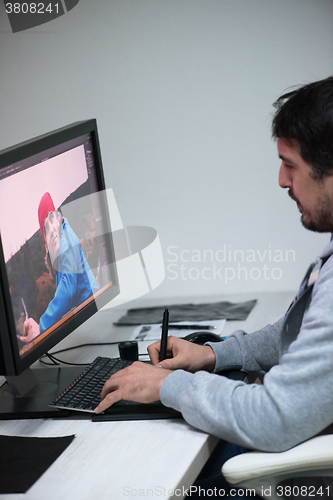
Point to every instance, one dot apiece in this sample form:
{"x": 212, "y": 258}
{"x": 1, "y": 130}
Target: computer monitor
{"x": 57, "y": 265}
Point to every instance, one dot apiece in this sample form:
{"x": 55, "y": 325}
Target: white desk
{"x": 114, "y": 460}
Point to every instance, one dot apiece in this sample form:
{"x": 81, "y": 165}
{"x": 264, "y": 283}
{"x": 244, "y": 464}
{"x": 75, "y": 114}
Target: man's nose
{"x": 284, "y": 178}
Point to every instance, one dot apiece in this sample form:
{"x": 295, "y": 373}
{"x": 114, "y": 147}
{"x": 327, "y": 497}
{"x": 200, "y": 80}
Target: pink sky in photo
{"x": 20, "y": 195}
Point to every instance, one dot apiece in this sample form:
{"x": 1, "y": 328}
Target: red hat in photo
{"x": 46, "y": 205}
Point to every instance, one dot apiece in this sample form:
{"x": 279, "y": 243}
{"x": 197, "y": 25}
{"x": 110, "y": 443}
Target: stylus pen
{"x": 164, "y": 337}
{"x": 25, "y": 309}
{"x": 192, "y": 327}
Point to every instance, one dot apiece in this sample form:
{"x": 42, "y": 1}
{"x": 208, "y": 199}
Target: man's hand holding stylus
{"x": 184, "y": 355}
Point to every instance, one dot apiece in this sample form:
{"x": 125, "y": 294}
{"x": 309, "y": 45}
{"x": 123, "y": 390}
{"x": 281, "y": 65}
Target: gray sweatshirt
{"x": 295, "y": 401}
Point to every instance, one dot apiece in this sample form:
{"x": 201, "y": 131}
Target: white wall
{"x": 182, "y": 92}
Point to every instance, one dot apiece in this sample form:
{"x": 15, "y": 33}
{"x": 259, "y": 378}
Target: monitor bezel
{"x": 11, "y": 362}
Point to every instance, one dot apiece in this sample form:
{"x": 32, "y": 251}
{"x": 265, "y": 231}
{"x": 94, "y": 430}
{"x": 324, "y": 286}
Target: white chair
{"x": 263, "y": 471}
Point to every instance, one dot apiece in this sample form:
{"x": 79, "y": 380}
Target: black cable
{"x": 56, "y": 361}
{"x": 51, "y": 358}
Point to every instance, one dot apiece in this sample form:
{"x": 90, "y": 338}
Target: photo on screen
{"x": 46, "y": 286}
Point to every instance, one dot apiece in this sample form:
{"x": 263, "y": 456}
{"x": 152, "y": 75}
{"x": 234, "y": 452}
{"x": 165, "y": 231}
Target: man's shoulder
{"x": 325, "y": 263}
{"x": 327, "y": 251}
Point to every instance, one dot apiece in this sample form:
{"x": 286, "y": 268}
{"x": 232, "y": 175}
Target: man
{"x": 66, "y": 263}
{"x": 295, "y": 401}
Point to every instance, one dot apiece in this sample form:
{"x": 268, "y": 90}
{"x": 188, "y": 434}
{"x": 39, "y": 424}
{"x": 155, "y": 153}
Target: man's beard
{"x": 323, "y": 222}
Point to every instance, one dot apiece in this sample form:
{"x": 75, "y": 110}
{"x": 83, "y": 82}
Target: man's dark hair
{"x": 306, "y": 114}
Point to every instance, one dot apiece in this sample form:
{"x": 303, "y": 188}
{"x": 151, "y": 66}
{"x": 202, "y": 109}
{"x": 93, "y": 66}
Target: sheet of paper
{"x": 153, "y": 332}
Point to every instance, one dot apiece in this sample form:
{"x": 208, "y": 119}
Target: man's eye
{"x": 51, "y": 217}
{"x": 46, "y": 228}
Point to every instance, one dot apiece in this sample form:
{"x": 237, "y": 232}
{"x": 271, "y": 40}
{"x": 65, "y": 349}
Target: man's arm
{"x": 255, "y": 352}
{"x": 292, "y": 405}
{"x": 249, "y": 352}
{"x": 295, "y": 401}
{"x": 142, "y": 383}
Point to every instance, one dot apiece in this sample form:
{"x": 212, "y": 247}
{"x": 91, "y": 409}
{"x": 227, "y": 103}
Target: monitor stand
{"x": 29, "y": 394}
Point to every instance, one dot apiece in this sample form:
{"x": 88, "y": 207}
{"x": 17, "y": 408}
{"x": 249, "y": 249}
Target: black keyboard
{"x": 84, "y": 393}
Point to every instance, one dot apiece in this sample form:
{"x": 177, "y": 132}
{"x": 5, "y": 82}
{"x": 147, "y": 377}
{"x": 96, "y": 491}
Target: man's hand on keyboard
{"x": 138, "y": 382}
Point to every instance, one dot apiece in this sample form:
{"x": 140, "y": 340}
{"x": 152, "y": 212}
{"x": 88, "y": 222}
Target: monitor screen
{"x": 56, "y": 253}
